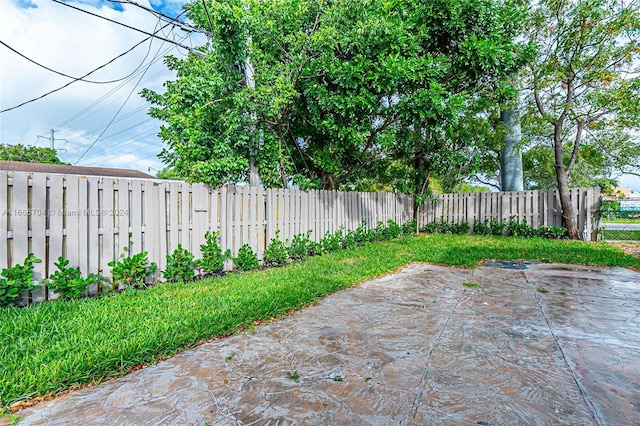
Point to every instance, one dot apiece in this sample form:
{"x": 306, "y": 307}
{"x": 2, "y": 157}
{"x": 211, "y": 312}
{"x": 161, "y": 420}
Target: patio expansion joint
{"x": 589, "y": 405}
{"x": 425, "y": 371}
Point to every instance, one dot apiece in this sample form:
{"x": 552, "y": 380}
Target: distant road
{"x": 621, "y": 226}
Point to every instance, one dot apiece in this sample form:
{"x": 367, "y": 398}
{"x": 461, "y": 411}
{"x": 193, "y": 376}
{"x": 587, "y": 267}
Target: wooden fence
{"x": 89, "y": 220}
{"x": 538, "y": 208}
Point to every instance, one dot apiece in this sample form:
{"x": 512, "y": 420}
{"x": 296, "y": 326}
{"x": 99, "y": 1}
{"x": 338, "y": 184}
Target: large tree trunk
{"x": 568, "y": 213}
{"x": 511, "y": 160}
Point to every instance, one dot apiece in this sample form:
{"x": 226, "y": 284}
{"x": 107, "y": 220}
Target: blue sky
{"x": 75, "y": 43}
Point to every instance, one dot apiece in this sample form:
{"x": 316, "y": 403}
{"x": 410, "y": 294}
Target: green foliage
{"x": 17, "y": 279}
{"x": 552, "y": 232}
{"x": 324, "y": 72}
{"x": 299, "y": 248}
{"x": 276, "y": 252}
{"x": 246, "y": 259}
{"x": 481, "y": 227}
{"x": 180, "y": 266}
{"x": 332, "y": 241}
{"x": 29, "y": 154}
{"x": 131, "y": 271}
{"x": 212, "y": 259}
{"x": 66, "y": 281}
{"x": 519, "y": 229}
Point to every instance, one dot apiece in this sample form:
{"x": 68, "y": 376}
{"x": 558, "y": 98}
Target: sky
{"x": 74, "y": 43}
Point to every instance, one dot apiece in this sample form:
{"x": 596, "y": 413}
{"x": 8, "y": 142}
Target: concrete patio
{"x": 502, "y": 344}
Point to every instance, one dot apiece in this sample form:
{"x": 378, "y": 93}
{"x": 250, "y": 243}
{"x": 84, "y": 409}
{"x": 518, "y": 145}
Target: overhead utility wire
{"x": 196, "y": 52}
{"x": 58, "y": 72}
{"x": 75, "y": 80}
{"x": 138, "y": 68}
{"x": 117, "y": 112}
{"x": 176, "y": 21}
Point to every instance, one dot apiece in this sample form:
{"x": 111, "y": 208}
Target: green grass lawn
{"x": 53, "y": 346}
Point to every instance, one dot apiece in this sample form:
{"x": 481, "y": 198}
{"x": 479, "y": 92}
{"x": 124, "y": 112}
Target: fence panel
{"x": 88, "y": 219}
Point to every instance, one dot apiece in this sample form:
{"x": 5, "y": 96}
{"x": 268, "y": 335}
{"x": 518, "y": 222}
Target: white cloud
{"x": 74, "y": 43}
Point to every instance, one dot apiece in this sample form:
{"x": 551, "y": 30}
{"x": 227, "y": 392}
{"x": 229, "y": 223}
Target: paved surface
{"x": 417, "y": 347}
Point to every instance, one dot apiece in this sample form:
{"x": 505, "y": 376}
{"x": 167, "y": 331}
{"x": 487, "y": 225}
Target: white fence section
{"x": 538, "y": 208}
{"x": 90, "y": 220}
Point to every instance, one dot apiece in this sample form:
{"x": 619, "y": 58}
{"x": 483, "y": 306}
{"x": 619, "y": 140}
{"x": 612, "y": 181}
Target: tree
{"x": 344, "y": 90}
{"x": 29, "y": 154}
{"x": 584, "y": 83}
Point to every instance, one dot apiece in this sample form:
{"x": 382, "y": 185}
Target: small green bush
{"x": 131, "y": 271}
{"x": 66, "y": 281}
{"x": 299, "y": 247}
{"x": 180, "y": 266}
{"x": 519, "y": 229}
{"x": 332, "y": 241}
{"x": 246, "y": 259}
{"x": 553, "y": 232}
{"x": 481, "y": 227}
{"x": 363, "y": 234}
{"x": 212, "y": 259}
{"x": 276, "y": 252}
{"x": 497, "y": 227}
{"x": 17, "y": 279}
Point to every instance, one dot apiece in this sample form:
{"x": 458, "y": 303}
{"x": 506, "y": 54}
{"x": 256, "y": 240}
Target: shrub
{"x": 17, "y": 279}
{"x": 332, "y": 242}
{"x": 246, "y": 259}
{"x": 180, "y": 266}
{"x": 393, "y": 230}
{"x": 363, "y": 234}
{"x": 212, "y": 259}
{"x": 409, "y": 227}
{"x": 519, "y": 229}
{"x": 481, "y": 227}
{"x": 131, "y": 271}
{"x": 300, "y": 246}
{"x": 276, "y": 252}
{"x": 497, "y": 228}
{"x": 553, "y": 232}
{"x": 459, "y": 228}
{"x": 315, "y": 248}
{"x": 66, "y": 281}
{"x": 349, "y": 240}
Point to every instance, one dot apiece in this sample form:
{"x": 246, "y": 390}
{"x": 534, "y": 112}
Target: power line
{"x": 75, "y": 80}
{"x": 196, "y": 52}
{"x": 175, "y": 21}
{"x": 117, "y": 112}
{"x": 58, "y": 72}
{"x": 138, "y": 68}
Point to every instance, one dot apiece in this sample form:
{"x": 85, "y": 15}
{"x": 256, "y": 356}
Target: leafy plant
{"x": 349, "y": 240}
{"x": 246, "y": 259}
{"x": 180, "y": 266}
{"x": 212, "y": 258}
{"x": 299, "y": 247}
{"x": 17, "y": 279}
{"x": 66, "y": 281}
{"x": 131, "y": 271}
{"x": 460, "y": 228}
{"x": 519, "y": 229}
{"x": 481, "y": 227}
{"x": 362, "y": 234}
{"x": 497, "y": 227}
{"x": 332, "y": 241}
{"x": 553, "y": 232}
{"x": 276, "y": 252}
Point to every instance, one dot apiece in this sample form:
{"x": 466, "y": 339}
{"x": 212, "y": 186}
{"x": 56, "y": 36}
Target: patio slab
{"x": 500, "y": 344}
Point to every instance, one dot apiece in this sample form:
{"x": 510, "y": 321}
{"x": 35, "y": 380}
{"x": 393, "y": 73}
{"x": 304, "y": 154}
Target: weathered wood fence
{"x": 89, "y": 220}
{"x": 538, "y": 208}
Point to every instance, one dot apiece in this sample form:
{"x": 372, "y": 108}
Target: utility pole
{"x": 52, "y": 140}
{"x": 254, "y": 175}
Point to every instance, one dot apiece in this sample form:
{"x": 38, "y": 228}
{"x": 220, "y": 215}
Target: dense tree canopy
{"x": 348, "y": 94}
{"x": 29, "y": 154}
